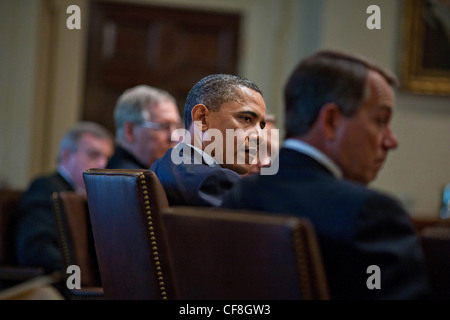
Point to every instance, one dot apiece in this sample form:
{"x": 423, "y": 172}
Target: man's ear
{"x": 200, "y": 116}
{"x": 128, "y": 131}
{"x": 64, "y": 156}
{"x": 329, "y": 119}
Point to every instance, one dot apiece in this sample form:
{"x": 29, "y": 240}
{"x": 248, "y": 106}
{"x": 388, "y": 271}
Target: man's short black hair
{"x": 213, "y": 91}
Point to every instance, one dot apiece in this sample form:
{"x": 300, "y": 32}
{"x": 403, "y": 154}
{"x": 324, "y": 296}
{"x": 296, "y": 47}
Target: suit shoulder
{"x": 164, "y": 162}
{"x": 220, "y": 174}
{"x": 42, "y": 186}
{"x": 357, "y": 190}
{"x": 42, "y": 183}
{"x": 213, "y": 185}
{"x": 361, "y": 199}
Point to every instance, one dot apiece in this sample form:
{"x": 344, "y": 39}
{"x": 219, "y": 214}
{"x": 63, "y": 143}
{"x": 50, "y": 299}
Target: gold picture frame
{"x": 425, "y": 47}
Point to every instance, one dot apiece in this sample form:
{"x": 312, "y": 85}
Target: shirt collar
{"x": 208, "y": 159}
{"x": 314, "y": 153}
{"x": 68, "y": 177}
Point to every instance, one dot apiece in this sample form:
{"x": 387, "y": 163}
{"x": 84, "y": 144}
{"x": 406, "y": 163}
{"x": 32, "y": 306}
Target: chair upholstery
{"x": 10, "y": 272}
{"x": 436, "y": 245}
{"x": 237, "y": 255}
{"x": 421, "y": 223}
{"x": 76, "y": 243}
{"x": 125, "y": 208}
{"x": 37, "y": 288}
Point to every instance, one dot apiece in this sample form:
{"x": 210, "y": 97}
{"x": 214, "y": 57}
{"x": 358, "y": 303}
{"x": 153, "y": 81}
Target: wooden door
{"x": 162, "y": 47}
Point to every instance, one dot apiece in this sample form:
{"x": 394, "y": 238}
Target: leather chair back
{"x": 237, "y": 255}
{"x": 76, "y": 241}
{"x": 130, "y": 241}
{"x": 436, "y": 245}
{"x": 10, "y": 273}
{"x": 9, "y": 203}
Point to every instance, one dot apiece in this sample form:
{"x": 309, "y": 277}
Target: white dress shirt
{"x": 314, "y": 153}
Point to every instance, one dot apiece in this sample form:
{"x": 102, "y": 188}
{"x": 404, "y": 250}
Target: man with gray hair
{"x": 145, "y": 118}
{"x": 86, "y": 145}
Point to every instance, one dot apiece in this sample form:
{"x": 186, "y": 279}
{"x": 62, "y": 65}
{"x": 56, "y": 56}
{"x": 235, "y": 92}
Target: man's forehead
{"x": 162, "y": 108}
{"x": 246, "y": 93}
{"x": 380, "y": 88}
{"x": 377, "y": 79}
{"x": 89, "y": 137}
{"x": 160, "y": 104}
{"x": 251, "y": 106}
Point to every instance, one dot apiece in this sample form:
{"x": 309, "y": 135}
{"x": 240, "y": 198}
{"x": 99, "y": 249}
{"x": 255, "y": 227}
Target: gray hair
{"x": 133, "y": 101}
{"x": 327, "y": 76}
{"x": 71, "y": 139}
{"x": 213, "y": 91}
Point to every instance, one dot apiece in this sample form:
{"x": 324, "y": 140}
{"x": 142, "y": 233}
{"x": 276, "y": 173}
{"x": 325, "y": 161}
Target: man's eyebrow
{"x": 253, "y": 114}
{"x": 248, "y": 112}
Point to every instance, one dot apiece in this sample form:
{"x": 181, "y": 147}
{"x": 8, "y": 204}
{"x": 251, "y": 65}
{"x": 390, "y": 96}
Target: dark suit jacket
{"x": 193, "y": 184}
{"x": 356, "y": 227}
{"x": 122, "y": 159}
{"x": 36, "y": 233}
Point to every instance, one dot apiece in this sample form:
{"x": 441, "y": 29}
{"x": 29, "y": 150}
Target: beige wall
{"x": 18, "y": 24}
{"x": 417, "y": 171}
{"x": 43, "y": 70}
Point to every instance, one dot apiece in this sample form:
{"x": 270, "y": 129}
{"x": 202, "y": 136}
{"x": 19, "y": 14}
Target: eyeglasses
{"x": 160, "y": 126}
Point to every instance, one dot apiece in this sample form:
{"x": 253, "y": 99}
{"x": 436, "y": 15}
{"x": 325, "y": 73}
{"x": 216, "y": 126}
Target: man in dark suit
{"x": 200, "y": 170}
{"x": 145, "y": 118}
{"x": 86, "y": 145}
{"x": 338, "y": 110}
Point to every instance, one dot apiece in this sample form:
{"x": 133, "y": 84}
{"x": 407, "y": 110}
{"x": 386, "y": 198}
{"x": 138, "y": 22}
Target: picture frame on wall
{"x": 425, "y": 47}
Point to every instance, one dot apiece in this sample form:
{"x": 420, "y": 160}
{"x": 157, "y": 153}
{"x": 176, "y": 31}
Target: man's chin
{"x": 238, "y": 168}
{"x": 363, "y": 179}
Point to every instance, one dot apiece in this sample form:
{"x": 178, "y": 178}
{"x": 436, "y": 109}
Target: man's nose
{"x": 390, "y": 140}
{"x": 102, "y": 161}
{"x": 254, "y": 136}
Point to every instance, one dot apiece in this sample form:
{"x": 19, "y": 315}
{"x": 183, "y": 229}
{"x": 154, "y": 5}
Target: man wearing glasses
{"x": 145, "y": 118}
